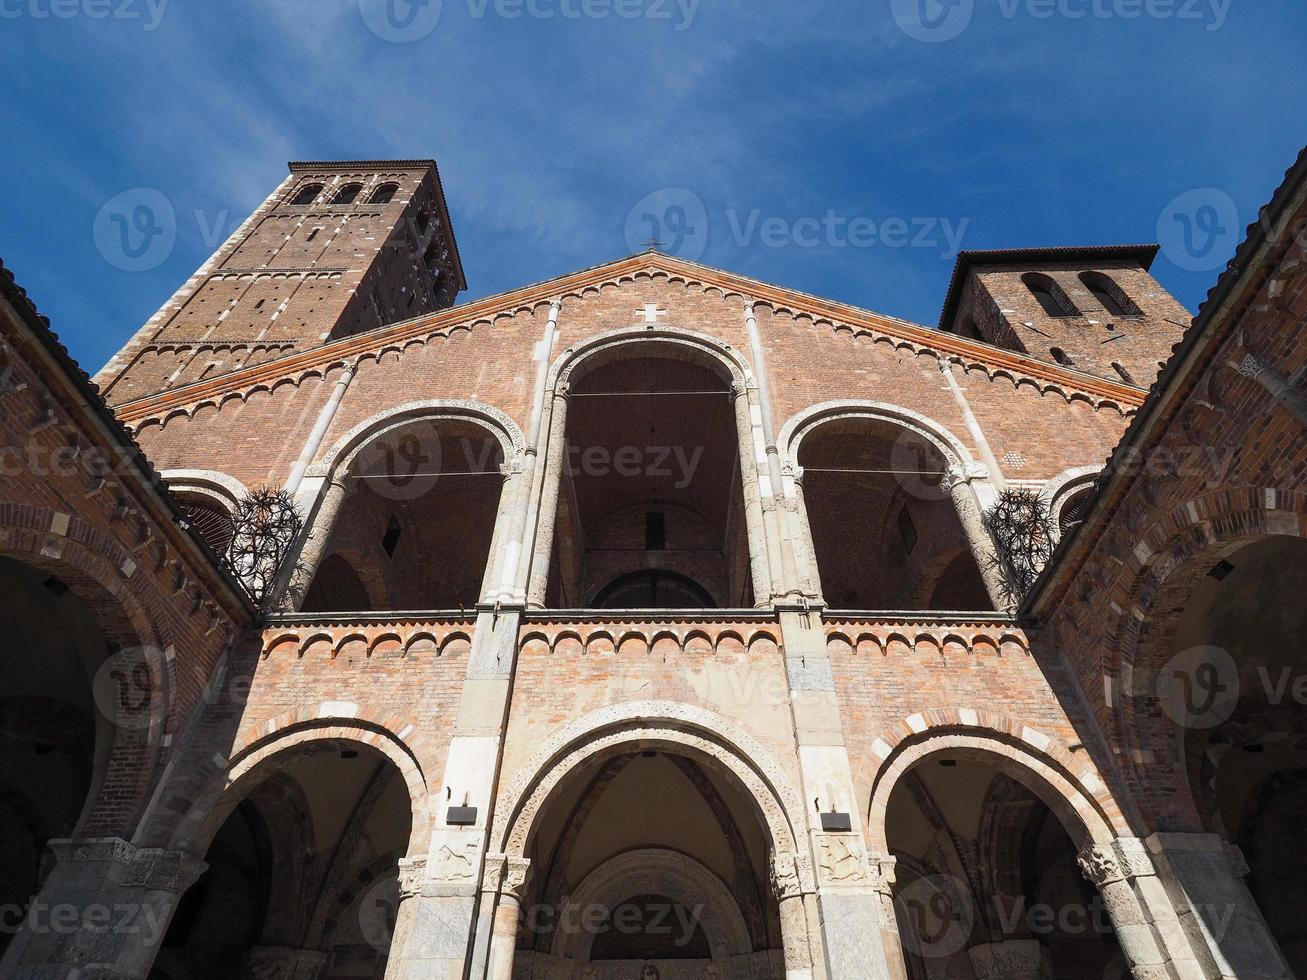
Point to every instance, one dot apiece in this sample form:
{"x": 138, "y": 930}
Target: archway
{"x": 987, "y": 876}
{"x": 652, "y": 846}
{"x": 302, "y": 876}
{"x": 1232, "y": 682}
{"x": 56, "y": 731}
{"x": 646, "y": 473}
{"x": 410, "y": 518}
{"x": 883, "y": 493}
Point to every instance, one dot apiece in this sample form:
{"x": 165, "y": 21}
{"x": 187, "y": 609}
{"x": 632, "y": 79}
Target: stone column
{"x": 1145, "y": 923}
{"x": 1280, "y": 387}
{"x": 551, "y": 488}
{"x": 505, "y": 883}
{"x": 885, "y": 875}
{"x": 791, "y": 880}
{"x": 805, "y": 552}
{"x": 1016, "y": 959}
{"x": 441, "y": 923}
{"x": 103, "y": 912}
{"x": 763, "y": 566}
{"x": 973, "y": 526}
{"x": 304, "y": 566}
{"x": 1203, "y": 878}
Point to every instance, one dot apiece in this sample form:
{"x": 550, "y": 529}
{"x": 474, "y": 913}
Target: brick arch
{"x": 264, "y": 749}
{"x": 808, "y": 421}
{"x": 101, "y": 574}
{"x": 347, "y": 448}
{"x": 616, "y": 344}
{"x": 1071, "y": 788}
{"x": 1166, "y": 565}
{"x": 621, "y": 728}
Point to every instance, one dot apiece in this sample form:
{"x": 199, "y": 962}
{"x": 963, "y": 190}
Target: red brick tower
{"x": 339, "y": 247}
{"x": 1094, "y": 309}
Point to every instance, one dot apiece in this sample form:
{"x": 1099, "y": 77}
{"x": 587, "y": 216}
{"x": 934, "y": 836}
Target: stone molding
{"x": 1123, "y": 859}
{"x": 151, "y": 868}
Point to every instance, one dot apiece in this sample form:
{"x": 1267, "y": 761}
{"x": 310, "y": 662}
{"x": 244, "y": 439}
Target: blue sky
{"x": 845, "y": 148}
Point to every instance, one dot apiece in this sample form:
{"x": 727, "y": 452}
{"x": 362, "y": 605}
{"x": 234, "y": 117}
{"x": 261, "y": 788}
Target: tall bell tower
{"x": 338, "y": 248}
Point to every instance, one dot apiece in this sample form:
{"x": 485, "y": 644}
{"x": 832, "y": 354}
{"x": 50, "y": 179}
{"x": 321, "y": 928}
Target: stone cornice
{"x": 346, "y": 349}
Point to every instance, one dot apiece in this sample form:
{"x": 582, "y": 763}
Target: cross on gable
{"x": 651, "y": 313}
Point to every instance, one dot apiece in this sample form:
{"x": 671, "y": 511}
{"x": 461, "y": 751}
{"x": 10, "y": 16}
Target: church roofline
{"x": 970, "y": 259}
{"x": 348, "y": 348}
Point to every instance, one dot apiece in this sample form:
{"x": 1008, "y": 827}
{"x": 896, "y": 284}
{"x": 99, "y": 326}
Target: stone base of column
{"x": 1017, "y": 959}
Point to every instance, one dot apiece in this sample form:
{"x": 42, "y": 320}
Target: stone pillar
{"x": 973, "y": 526}
{"x": 557, "y": 463}
{"x": 805, "y": 552}
{"x": 1203, "y": 878}
{"x": 102, "y": 913}
{"x": 504, "y": 882}
{"x": 440, "y": 923}
{"x": 1280, "y": 387}
{"x": 304, "y": 566}
{"x": 884, "y": 871}
{"x": 763, "y": 565}
{"x": 1145, "y": 923}
{"x": 1016, "y": 959}
{"x": 285, "y": 963}
{"x": 844, "y": 882}
{"x": 791, "y": 880}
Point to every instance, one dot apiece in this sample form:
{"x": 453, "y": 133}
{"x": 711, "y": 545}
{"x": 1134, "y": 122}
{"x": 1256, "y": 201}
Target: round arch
{"x": 1170, "y": 559}
{"x": 348, "y": 447}
{"x": 1082, "y": 812}
{"x": 658, "y": 871}
{"x": 221, "y": 489}
{"x": 256, "y": 763}
{"x": 622, "y": 728}
{"x": 804, "y": 423}
{"x": 613, "y": 346}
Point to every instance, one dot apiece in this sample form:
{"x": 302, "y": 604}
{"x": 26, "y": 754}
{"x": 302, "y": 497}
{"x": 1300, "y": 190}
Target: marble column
{"x": 791, "y": 880}
{"x": 103, "y": 912}
{"x": 973, "y": 526}
{"x": 304, "y": 566}
{"x": 1202, "y": 875}
{"x": 1143, "y": 918}
{"x": 509, "y": 875}
{"x": 557, "y": 462}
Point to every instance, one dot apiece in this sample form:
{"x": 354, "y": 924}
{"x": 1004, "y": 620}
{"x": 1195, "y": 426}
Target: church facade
{"x": 653, "y": 621}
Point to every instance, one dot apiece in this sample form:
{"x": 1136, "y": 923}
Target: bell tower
{"x": 338, "y": 248}
{"x": 1094, "y": 309}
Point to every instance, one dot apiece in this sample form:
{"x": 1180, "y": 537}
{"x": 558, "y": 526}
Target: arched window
{"x": 1109, "y": 295}
{"x": 348, "y": 194}
{"x": 384, "y": 194}
{"x": 1125, "y": 375}
{"x": 306, "y": 195}
{"x": 1074, "y": 510}
{"x": 1049, "y": 294}
{"x": 1062, "y": 357}
{"x": 654, "y": 589}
